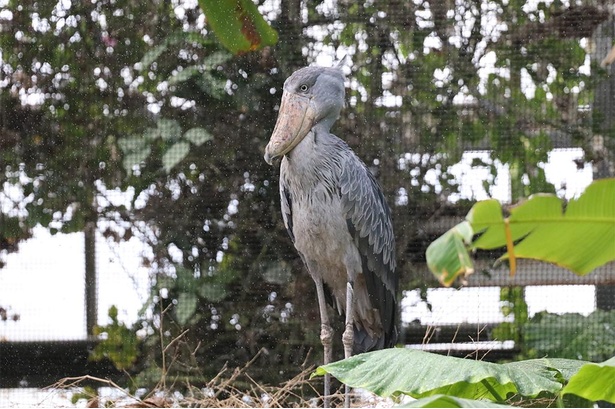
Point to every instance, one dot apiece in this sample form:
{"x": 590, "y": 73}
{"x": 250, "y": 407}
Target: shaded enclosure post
{"x": 603, "y": 144}
{"x": 91, "y": 310}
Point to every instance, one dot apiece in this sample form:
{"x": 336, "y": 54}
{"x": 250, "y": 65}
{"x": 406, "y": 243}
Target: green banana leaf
{"x": 419, "y": 374}
{"x": 594, "y": 382}
{"x": 238, "y": 24}
{"x": 447, "y": 255}
{"x": 579, "y": 238}
{"x": 445, "y": 401}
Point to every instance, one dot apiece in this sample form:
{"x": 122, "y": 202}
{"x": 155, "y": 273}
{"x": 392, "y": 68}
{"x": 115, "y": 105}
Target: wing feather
{"x": 286, "y": 206}
{"x": 369, "y": 222}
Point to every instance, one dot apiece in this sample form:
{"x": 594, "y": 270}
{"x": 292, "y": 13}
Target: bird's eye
{"x": 303, "y": 87}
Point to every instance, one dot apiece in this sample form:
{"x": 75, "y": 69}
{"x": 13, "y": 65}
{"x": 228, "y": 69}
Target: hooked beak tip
{"x": 269, "y": 157}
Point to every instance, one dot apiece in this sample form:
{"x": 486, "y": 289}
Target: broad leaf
{"x": 594, "y": 382}
{"x": 444, "y": 401}
{"x": 153, "y": 54}
{"x": 197, "y": 136}
{"x": 184, "y": 75}
{"x": 579, "y": 239}
{"x": 169, "y": 129}
{"x": 238, "y": 24}
{"x": 419, "y": 374}
{"x": 151, "y": 134}
{"x": 135, "y": 158}
{"x": 176, "y": 153}
{"x": 213, "y": 292}
{"x": 216, "y": 58}
{"x": 131, "y": 144}
{"x": 486, "y": 217}
{"x": 135, "y": 149}
{"x": 212, "y": 85}
{"x": 186, "y": 307}
{"x": 448, "y": 255}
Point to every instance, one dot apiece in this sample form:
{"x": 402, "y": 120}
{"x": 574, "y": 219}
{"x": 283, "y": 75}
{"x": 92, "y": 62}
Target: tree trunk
{"x": 91, "y": 290}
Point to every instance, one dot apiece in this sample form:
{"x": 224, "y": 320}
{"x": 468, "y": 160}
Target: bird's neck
{"x": 312, "y": 157}
{"x": 310, "y": 149}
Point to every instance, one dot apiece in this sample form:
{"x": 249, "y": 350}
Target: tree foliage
{"x": 571, "y": 335}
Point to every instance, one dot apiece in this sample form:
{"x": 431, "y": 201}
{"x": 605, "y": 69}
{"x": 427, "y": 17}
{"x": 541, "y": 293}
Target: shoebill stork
{"x": 336, "y": 215}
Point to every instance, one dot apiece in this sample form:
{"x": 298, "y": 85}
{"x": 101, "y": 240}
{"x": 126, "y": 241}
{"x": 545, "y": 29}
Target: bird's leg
{"x": 348, "y": 336}
{"x": 326, "y": 337}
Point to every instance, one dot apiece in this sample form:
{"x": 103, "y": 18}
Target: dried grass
{"x": 222, "y": 391}
{"x": 219, "y": 392}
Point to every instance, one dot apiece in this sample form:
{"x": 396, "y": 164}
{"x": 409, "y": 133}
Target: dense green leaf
{"x": 448, "y": 256}
{"x": 213, "y": 292}
{"x": 214, "y": 86}
{"x": 186, "y": 307}
{"x": 487, "y": 215}
{"x": 418, "y": 374}
{"x": 184, "y": 75}
{"x": 169, "y": 128}
{"x": 591, "y": 338}
{"x": 587, "y": 227}
{"x": 445, "y": 401}
{"x": 225, "y": 275}
{"x": 197, "y": 136}
{"x": 136, "y": 157}
{"x": 238, "y": 24}
{"x": 131, "y": 144}
{"x": 594, "y": 382}
{"x": 176, "y": 153}
{"x": 580, "y": 240}
{"x": 215, "y": 59}
{"x": 153, "y": 54}
{"x": 11, "y": 228}
{"x": 151, "y": 134}
{"x": 485, "y": 218}
{"x": 185, "y": 281}
{"x": 117, "y": 342}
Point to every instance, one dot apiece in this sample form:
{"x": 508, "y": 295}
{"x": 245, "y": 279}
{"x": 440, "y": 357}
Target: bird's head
{"x": 312, "y": 96}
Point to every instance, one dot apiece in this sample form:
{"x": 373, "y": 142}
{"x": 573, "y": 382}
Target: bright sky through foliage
{"x": 43, "y": 282}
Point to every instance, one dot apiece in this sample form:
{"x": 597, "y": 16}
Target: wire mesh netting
{"x": 137, "y": 210}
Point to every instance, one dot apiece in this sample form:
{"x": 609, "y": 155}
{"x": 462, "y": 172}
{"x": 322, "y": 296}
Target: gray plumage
{"x": 333, "y": 208}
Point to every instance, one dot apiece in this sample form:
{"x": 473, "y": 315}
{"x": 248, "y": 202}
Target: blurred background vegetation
{"x": 142, "y": 97}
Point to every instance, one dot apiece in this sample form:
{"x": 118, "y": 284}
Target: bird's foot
{"x": 348, "y": 340}
{"x": 326, "y": 338}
